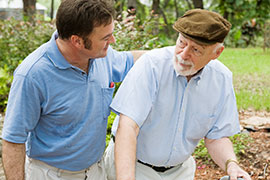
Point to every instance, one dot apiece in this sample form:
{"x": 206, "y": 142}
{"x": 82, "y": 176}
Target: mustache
{"x": 182, "y": 61}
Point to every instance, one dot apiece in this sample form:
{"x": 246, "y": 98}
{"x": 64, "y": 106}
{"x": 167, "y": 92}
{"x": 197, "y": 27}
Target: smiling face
{"x": 97, "y": 43}
{"x": 190, "y": 57}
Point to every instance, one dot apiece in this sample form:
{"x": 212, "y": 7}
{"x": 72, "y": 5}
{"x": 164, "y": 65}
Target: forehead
{"x": 189, "y": 41}
{"x": 103, "y": 30}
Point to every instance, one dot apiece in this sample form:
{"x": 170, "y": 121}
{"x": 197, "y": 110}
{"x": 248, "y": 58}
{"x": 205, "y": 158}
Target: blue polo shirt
{"x": 60, "y": 111}
{"x": 174, "y": 115}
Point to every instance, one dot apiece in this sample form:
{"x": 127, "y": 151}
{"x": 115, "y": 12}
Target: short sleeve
{"x": 137, "y": 92}
{"x": 227, "y": 123}
{"x": 23, "y": 109}
{"x": 121, "y": 63}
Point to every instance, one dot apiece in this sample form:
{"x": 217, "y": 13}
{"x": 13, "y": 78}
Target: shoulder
{"x": 161, "y": 53}
{"x": 159, "y": 57}
{"x": 217, "y": 68}
{"x": 32, "y": 63}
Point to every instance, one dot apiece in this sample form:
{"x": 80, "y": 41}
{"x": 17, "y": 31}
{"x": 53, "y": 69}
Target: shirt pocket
{"x": 107, "y": 95}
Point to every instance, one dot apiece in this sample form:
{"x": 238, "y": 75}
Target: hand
{"x": 234, "y": 171}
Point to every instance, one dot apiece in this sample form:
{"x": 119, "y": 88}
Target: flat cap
{"x": 203, "y": 26}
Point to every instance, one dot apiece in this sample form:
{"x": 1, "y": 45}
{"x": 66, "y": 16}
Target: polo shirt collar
{"x": 55, "y": 55}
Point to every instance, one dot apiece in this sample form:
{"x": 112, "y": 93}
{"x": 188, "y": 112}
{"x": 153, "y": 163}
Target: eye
{"x": 196, "y": 51}
{"x": 181, "y": 43}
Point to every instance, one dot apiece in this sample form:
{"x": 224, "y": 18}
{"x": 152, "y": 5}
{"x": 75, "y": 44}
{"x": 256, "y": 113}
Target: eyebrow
{"x": 108, "y": 35}
{"x": 181, "y": 37}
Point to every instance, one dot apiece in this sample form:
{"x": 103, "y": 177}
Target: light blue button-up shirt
{"x": 173, "y": 114}
{"x": 60, "y": 111}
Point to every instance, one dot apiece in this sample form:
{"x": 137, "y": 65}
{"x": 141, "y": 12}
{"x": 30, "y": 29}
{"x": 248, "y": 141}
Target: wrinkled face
{"x": 190, "y": 57}
{"x": 97, "y": 43}
{"x": 182, "y": 67}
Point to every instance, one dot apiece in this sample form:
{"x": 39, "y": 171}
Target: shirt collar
{"x": 197, "y": 77}
{"x": 55, "y": 55}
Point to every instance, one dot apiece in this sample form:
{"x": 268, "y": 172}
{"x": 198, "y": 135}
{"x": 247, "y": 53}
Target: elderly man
{"x": 171, "y": 99}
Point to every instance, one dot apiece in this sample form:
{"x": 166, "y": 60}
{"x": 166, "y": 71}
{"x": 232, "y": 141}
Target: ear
{"x": 77, "y": 41}
{"x": 217, "y": 52}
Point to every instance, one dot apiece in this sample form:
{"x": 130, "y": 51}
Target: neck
{"x": 72, "y": 54}
{"x": 189, "y": 77}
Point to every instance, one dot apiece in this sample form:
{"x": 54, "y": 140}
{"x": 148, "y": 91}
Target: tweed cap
{"x": 203, "y": 26}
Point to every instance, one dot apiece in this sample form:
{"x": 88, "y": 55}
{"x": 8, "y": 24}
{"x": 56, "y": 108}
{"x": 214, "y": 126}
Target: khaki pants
{"x": 35, "y": 169}
{"x": 185, "y": 171}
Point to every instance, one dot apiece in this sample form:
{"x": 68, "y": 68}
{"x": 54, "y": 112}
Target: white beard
{"x": 177, "y": 61}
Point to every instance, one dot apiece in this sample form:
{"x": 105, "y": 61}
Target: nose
{"x": 112, "y": 39}
{"x": 185, "y": 53}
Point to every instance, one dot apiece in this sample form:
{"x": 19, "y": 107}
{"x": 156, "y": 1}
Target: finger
{"x": 246, "y": 177}
{"x": 233, "y": 176}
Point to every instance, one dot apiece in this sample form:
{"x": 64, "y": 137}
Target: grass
{"x": 251, "y": 76}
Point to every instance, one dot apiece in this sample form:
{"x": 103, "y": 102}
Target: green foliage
{"x": 17, "y": 40}
{"x": 5, "y": 82}
{"x": 239, "y": 141}
{"x": 130, "y": 33}
{"x": 109, "y": 127}
{"x": 201, "y": 152}
{"x": 247, "y": 18}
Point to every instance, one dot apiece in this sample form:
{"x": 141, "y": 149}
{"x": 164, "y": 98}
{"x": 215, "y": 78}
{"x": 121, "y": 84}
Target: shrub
{"x": 20, "y": 38}
{"x": 130, "y": 34}
{"x": 17, "y": 40}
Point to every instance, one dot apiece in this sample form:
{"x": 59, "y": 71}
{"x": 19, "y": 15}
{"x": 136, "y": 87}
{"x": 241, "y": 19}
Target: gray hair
{"x": 218, "y": 45}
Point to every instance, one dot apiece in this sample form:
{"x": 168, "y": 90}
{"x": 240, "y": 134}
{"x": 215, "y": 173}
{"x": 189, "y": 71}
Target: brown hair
{"x": 79, "y": 17}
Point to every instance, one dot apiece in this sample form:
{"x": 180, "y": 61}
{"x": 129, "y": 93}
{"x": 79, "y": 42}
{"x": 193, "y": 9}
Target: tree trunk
{"x": 155, "y": 6}
{"x": 155, "y": 9}
{"x": 165, "y": 21}
{"x": 189, "y": 4}
{"x": 176, "y": 9}
{"x": 132, "y": 7}
{"x": 166, "y": 2}
{"x": 226, "y": 13}
{"x": 29, "y": 8}
{"x": 132, "y": 4}
{"x": 119, "y": 4}
{"x": 198, "y": 3}
{"x": 52, "y": 9}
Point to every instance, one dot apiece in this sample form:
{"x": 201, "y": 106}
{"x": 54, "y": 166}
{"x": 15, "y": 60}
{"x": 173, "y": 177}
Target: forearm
{"x": 13, "y": 158}
{"x": 220, "y": 150}
{"x": 125, "y": 150}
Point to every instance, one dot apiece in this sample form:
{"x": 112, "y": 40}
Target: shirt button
{"x": 179, "y": 129}
{"x": 175, "y": 148}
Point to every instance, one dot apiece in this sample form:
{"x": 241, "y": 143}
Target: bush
{"x": 130, "y": 34}
{"x": 17, "y": 40}
{"x": 5, "y": 82}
